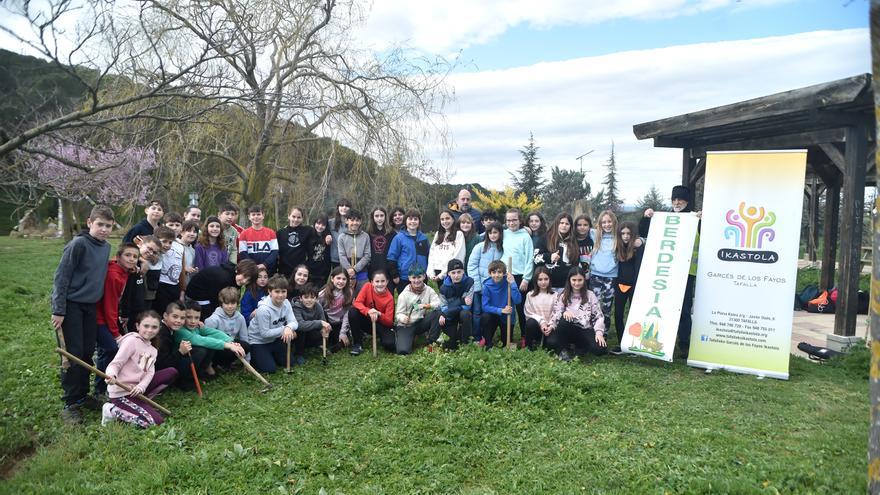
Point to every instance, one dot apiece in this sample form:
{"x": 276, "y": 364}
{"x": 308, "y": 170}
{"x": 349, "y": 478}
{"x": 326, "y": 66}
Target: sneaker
{"x": 482, "y": 342}
{"x": 300, "y": 360}
{"x": 522, "y": 343}
{"x": 107, "y": 416}
{"x": 356, "y": 350}
{"x": 71, "y": 415}
{"x": 615, "y": 350}
{"x": 564, "y": 355}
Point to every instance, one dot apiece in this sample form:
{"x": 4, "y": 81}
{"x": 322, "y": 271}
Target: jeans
{"x": 106, "y": 351}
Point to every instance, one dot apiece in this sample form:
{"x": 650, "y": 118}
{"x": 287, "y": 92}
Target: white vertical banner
{"x": 652, "y": 323}
{"x": 747, "y": 269}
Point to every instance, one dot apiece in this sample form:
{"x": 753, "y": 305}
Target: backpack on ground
{"x": 809, "y": 293}
{"x": 821, "y": 304}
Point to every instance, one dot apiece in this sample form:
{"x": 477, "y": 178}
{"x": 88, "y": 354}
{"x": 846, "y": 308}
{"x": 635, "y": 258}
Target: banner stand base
{"x": 761, "y": 374}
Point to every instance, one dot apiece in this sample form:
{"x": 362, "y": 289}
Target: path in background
{"x": 814, "y": 329}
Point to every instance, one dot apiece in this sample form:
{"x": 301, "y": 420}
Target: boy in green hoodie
{"x": 200, "y": 336}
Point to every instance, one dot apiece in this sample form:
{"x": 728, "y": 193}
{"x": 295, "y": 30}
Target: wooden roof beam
{"x": 828, "y": 94}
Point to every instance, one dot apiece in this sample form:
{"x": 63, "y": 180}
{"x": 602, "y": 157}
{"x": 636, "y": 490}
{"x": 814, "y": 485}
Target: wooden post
{"x": 813, "y": 221}
{"x": 829, "y": 236}
{"x": 687, "y": 166}
{"x": 851, "y": 225}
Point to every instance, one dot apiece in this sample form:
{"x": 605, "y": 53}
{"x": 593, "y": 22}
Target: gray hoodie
{"x": 309, "y": 319}
{"x": 358, "y": 243}
{"x": 234, "y": 325}
{"x": 80, "y": 273}
{"x": 269, "y": 321}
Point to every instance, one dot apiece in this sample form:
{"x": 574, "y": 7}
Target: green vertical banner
{"x": 652, "y": 323}
{"x": 748, "y": 255}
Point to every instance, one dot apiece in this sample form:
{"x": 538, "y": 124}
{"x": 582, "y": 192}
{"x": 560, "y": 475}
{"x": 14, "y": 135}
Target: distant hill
{"x": 32, "y": 90}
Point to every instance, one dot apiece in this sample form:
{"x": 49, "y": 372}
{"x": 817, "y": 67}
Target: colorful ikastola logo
{"x": 749, "y": 229}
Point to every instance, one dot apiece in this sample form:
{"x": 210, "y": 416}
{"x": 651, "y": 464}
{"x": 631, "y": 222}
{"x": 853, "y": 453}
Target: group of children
{"x": 167, "y": 306}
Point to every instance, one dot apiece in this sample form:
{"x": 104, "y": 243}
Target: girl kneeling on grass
{"x": 135, "y": 366}
{"x": 577, "y": 319}
{"x": 336, "y": 297}
{"x": 539, "y": 308}
{"x": 374, "y": 303}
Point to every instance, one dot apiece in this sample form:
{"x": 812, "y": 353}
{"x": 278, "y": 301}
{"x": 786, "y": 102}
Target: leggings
{"x": 567, "y": 333}
{"x": 533, "y": 333}
{"x": 135, "y": 410}
{"x": 620, "y": 300}
{"x": 603, "y": 287}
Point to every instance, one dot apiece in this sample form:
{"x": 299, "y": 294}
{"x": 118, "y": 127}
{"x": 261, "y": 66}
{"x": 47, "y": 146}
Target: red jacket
{"x": 368, "y": 299}
{"x": 108, "y": 306}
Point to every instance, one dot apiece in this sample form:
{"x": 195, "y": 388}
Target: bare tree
{"x": 298, "y": 74}
{"x": 129, "y": 68}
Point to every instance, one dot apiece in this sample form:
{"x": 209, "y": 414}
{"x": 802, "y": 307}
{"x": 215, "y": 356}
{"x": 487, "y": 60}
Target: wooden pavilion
{"x": 835, "y": 123}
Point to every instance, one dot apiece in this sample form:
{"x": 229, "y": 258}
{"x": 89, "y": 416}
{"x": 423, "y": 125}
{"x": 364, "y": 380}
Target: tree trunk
{"x": 874, "y": 380}
{"x": 65, "y": 219}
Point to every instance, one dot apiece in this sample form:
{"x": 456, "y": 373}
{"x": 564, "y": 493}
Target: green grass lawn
{"x": 469, "y": 422}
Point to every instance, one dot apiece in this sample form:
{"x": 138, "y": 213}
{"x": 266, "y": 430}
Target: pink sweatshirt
{"x": 587, "y": 314}
{"x": 540, "y": 307}
{"x": 134, "y": 364}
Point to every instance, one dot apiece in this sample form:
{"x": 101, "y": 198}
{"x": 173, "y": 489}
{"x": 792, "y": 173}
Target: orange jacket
{"x": 368, "y": 299}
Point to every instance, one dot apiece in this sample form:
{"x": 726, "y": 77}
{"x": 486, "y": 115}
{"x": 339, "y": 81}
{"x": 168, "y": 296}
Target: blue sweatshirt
{"x": 518, "y": 245}
{"x": 604, "y": 262}
{"x": 405, "y": 250}
{"x": 495, "y": 297}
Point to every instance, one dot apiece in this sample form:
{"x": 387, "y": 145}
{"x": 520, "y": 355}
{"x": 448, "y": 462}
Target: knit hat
{"x": 416, "y": 270}
{"x": 454, "y": 264}
{"x": 681, "y": 192}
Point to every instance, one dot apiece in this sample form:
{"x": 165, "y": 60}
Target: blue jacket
{"x": 249, "y": 302}
{"x": 406, "y": 250}
{"x": 452, "y": 296}
{"x": 495, "y": 298}
{"x": 478, "y": 263}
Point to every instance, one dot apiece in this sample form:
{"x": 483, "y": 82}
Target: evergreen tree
{"x": 652, "y": 199}
{"x": 612, "y": 194}
{"x": 597, "y": 203}
{"x": 565, "y": 187}
{"x": 529, "y": 180}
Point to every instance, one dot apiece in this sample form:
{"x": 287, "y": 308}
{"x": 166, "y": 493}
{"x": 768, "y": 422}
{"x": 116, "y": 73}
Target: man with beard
{"x": 681, "y": 203}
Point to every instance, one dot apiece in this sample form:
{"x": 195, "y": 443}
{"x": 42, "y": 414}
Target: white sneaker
{"x": 107, "y": 416}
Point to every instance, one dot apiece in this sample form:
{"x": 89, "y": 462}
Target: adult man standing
{"x": 463, "y": 205}
{"x": 681, "y": 203}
